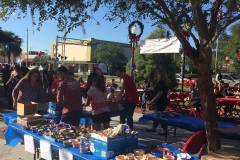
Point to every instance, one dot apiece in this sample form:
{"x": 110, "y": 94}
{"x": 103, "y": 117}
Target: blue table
{"x": 190, "y": 123}
{"x": 85, "y": 119}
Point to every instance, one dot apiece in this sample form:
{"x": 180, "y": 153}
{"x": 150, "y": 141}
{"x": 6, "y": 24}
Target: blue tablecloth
{"x": 190, "y": 123}
{"x": 86, "y": 117}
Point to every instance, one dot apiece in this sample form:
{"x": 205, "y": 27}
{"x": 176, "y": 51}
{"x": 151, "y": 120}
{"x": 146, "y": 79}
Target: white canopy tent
{"x": 161, "y": 45}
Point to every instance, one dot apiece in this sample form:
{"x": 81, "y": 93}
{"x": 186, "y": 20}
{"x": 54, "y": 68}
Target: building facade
{"x": 77, "y": 55}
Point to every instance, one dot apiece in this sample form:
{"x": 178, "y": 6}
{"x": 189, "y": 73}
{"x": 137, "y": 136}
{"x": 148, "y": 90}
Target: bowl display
{"x": 139, "y": 152}
{"x": 83, "y": 149}
{"x": 168, "y": 157}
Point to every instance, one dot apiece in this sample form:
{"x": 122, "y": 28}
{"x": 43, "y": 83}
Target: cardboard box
{"x": 30, "y": 120}
{"x": 55, "y": 109}
{"x": 107, "y": 148}
{"x": 27, "y": 108}
{"x": 115, "y": 106}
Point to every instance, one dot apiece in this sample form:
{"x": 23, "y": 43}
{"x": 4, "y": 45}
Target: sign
{"x": 162, "y": 45}
{"x": 29, "y": 143}
{"x": 46, "y": 151}
{"x": 65, "y": 155}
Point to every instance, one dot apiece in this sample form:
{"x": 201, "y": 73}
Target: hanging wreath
{"x": 137, "y": 38}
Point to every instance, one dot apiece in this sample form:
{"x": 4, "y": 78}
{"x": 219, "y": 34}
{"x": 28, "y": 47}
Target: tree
{"x": 14, "y": 47}
{"x": 207, "y": 18}
{"x": 230, "y": 43}
{"x": 111, "y": 54}
{"x": 148, "y": 64}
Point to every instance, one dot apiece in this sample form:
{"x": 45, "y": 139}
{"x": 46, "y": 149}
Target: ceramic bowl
{"x": 76, "y": 144}
{"x": 67, "y": 143}
{"x": 168, "y": 157}
{"x": 139, "y": 152}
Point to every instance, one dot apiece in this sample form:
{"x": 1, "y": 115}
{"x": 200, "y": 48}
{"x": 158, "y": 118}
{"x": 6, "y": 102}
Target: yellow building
{"x": 79, "y": 54}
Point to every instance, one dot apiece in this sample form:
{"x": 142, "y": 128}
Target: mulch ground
{"x": 2, "y": 130}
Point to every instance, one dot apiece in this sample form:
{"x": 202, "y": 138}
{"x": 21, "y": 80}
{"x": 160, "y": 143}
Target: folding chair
{"x": 194, "y": 145}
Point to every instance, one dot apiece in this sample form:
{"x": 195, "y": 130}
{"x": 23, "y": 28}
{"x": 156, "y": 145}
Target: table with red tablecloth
{"x": 234, "y": 111}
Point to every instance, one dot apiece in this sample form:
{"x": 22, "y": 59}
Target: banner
{"x": 162, "y": 45}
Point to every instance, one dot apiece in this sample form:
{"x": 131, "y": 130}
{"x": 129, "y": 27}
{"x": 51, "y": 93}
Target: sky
{"x": 40, "y": 40}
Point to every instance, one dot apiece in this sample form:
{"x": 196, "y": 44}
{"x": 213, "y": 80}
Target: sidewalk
{"x": 18, "y": 153}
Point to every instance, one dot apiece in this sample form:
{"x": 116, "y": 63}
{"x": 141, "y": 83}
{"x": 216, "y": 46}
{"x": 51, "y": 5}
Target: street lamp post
{"x": 226, "y": 62}
{"x": 134, "y": 31}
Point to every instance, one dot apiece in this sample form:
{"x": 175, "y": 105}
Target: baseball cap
{"x": 103, "y": 67}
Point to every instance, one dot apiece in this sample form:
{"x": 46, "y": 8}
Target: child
{"x": 55, "y": 84}
{"x": 97, "y": 95}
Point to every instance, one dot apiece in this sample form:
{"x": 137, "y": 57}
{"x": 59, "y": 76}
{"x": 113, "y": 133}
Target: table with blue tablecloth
{"x": 14, "y": 134}
{"x": 189, "y": 123}
{"x": 85, "y": 119}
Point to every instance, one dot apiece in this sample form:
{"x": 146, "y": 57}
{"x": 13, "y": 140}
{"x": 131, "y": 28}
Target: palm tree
{"x": 14, "y": 46}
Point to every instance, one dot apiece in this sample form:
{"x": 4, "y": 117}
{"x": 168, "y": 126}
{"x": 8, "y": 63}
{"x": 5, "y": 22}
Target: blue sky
{"x": 40, "y": 40}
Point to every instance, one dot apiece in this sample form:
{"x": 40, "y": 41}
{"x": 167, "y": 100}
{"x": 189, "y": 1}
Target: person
{"x": 24, "y": 69}
{"x": 16, "y": 75}
{"x": 70, "y": 73}
{"x": 145, "y": 84}
{"x": 228, "y": 130}
{"x": 222, "y": 87}
{"x": 196, "y": 99}
{"x": 100, "y": 70}
{"x": 131, "y": 97}
{"x": 55, "y": 84}
{"x": 217, "y": 93}
{"x": 228, "y": 94}
{"x": 97, "y": 95}
{"x": 112, "y": 84}
{"x": 48, "y": 77}
{"x": 69, "y": 96}
{"x": 160, "y": 98}
{"x": 29, "y": 88}
{"x": 81, "y": 81}
{"x": 219, "y": 77}
{"x": 6, "y": 74}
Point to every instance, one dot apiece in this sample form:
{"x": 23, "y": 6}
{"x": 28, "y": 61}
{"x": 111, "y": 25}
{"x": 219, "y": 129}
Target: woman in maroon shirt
{"x": 29, "y": 88}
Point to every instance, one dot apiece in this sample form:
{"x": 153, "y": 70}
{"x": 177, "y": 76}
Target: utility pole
{"x": 27, "y": 48}
{"x": 216, "y": 58}
{"x": 56, "y": 52}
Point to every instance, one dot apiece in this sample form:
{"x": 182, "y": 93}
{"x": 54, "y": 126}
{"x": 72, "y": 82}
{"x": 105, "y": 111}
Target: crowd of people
{"x": 22, "y": 85}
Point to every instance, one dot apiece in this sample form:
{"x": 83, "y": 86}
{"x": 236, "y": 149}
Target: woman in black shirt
{"x": 160, "y": 98}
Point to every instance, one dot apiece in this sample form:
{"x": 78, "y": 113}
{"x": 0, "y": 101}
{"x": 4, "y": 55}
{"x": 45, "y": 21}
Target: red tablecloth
{"x": 228, "y": 101}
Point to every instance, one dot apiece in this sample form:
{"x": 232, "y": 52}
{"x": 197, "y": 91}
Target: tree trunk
{"x": 208, "y": 99}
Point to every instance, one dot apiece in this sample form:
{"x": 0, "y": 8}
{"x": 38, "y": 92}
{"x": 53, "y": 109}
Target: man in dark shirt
{"x": 217, "y": 93}
{"x": 24, "y": 69}
{"x": 101, "y": 69}
{"x": 6, "y": 73}
{"x": 48, "y": 77}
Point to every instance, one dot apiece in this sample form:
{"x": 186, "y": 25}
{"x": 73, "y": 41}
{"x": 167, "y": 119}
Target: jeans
{"x": 127, "y": 113}
{"x": 72, "y": 117}
{"x": 143, "y": 98}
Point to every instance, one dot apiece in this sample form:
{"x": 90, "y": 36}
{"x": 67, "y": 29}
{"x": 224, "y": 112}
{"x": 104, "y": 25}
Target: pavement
{"x": 18, "y": 152}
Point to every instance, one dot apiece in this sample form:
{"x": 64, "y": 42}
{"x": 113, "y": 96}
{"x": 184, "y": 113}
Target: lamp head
{"x": 134, "y": 30}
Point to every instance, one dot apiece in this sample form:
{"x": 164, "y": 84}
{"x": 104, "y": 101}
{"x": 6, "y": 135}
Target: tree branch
{"x": 200, "y": 21}
{"x": 223, "y": 27}
{"x": 214, "y": 17}
{"x": 188, "y": 49}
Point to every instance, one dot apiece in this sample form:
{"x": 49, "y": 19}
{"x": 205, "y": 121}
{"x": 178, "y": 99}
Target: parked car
{"x": 231, "y": 79}
{"x": 179, "y": 79}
